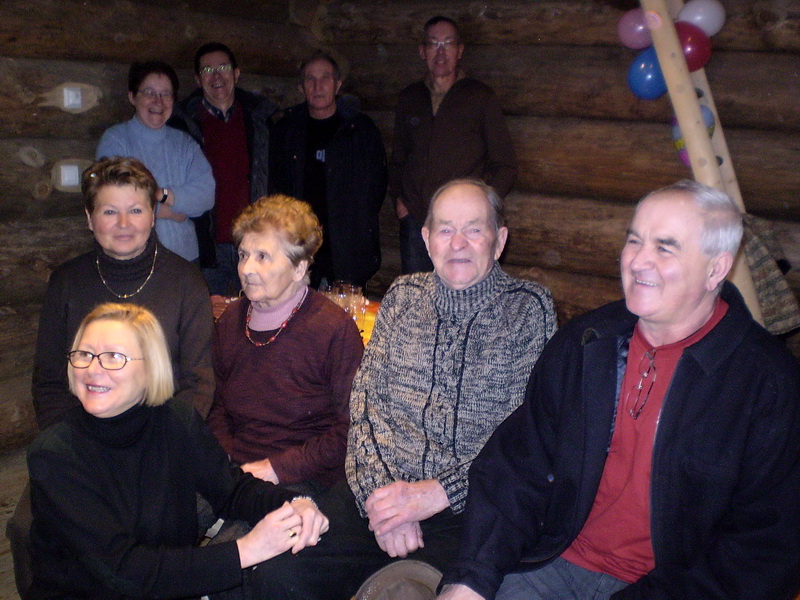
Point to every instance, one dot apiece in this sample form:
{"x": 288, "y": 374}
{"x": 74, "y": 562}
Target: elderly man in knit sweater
{"x": 448, "y": 361}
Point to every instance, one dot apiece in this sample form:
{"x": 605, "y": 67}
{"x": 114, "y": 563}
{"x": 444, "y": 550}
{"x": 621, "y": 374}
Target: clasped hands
{"x": 396, "y": 510}
{"x": 295, "y": 525}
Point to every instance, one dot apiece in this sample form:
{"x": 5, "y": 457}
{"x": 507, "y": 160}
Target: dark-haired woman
{"x": 185, "y": 181}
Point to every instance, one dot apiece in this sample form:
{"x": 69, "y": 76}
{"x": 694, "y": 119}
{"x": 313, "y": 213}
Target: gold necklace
{"x": 139, "y": 289}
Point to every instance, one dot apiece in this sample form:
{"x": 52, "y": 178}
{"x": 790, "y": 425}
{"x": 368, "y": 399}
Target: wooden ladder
{"x": 686, "y": 92}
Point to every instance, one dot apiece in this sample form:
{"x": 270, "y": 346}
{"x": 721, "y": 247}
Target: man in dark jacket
{"x": 447, "y": 126}
{"x": 326, "y": 152}
{"x": 656, "y": 453}
{"x": 233, "y": 128}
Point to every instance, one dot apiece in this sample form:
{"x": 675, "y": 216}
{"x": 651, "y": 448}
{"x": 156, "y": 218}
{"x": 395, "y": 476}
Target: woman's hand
{"x": 261, "y": 469}
{"x": 314, "y": 523}
{"x": 272, "y": 535}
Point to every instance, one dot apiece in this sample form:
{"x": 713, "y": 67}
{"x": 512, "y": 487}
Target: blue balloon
{"x": 645, "y": 77}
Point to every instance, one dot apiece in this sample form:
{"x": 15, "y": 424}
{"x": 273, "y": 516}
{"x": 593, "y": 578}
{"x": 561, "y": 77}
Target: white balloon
{"x": 708, "y": 15}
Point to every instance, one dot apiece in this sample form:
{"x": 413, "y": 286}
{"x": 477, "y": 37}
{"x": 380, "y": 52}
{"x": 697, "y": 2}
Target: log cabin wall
{"x": 587, "y": 148}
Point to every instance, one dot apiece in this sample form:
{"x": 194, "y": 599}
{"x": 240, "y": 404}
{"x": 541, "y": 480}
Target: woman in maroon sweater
{"x": 284, "y": 355}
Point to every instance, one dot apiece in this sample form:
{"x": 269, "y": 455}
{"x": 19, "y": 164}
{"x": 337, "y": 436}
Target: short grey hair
{"x": 492, "y": 197}
{"x": 722, "y": 219}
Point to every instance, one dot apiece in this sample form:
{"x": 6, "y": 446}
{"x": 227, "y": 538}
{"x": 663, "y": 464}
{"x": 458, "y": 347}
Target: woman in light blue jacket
{"x": 174, "y": 158}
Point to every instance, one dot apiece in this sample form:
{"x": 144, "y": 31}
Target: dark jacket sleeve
{"x": 500, "y": 169}
{"x": 51, "y": 396}
{"x": 219, "y": 420}
{"x": 401, "y": 147}
{"x": 195, "y": 383}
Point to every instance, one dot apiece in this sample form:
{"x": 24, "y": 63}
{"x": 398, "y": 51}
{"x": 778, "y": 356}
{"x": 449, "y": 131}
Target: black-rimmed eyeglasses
{"x": 110, "y": 361}
{"x": 639, "y": 394}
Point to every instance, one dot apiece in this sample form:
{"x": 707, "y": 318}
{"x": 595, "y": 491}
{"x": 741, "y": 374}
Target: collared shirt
{"x": 222, "y": 116}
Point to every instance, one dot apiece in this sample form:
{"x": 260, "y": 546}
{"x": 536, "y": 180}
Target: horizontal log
{"x": 31, "y": 250}
{"x": 17, "y": 420}
{"x": 574, "y": 294}
{"x": 121, "y": 31}
{"x": 25, "y": 180}
{"x": 257, "y": 10}
{"x": 26, "y": 109}
{"x": 623, "y": 160}
{"x": 763, "y": 25}
{"x": 18, "y": 326}
{"x": 750, "y": 89}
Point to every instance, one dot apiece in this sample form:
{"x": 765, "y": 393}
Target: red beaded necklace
{"x": 278, "y": 332}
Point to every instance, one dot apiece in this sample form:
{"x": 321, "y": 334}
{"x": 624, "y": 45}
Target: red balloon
{"x": 695, "y": 43}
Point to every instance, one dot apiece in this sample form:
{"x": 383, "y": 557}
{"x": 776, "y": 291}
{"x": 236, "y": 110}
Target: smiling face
{"x": 669, "y": 282}
{"x": 218, "y": 87}
{"x": 268, "y": 277}
{"x": 156, "y": 110}
{"x": 461, "y": 238}
{"x": 121, "y": 220}
{"x": 441, "y": 50}
{"x": 106, "y": 393}
{"x": 320, "y": 86}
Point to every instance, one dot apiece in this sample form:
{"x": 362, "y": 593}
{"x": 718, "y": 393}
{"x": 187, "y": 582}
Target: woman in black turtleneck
{"x": 113, "y": 483}
{"x": 127, "y": 264}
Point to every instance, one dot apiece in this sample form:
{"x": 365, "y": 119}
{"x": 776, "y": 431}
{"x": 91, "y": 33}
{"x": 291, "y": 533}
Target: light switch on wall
{"x": 73, "y": 97}
{"x": 70, "y": 175}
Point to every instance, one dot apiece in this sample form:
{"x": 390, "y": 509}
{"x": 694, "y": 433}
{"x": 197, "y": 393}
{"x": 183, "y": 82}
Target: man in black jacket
{"x": 656, "y": 453}
{"x": 233, "y": 128}
{"x": 326, "y": 152}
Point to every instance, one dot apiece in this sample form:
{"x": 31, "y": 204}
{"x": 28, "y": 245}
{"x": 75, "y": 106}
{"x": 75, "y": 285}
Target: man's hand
{"x": 402, "y": 540}
{"x": 458, "y": 591}
{"x": 401, "y": 503}
{"x": 261, "y": 469}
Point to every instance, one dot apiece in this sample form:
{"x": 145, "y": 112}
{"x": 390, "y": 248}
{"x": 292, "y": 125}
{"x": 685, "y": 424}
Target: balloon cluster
{"x": 697, "y": 21}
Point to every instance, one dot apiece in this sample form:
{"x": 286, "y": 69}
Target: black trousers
{"x": 347, "y": 554}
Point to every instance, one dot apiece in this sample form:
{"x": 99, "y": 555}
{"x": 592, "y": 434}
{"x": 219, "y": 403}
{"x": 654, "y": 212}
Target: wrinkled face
{"x": 153, "y": 101}
{"x": 268, "y": 277}
{"x": 219, "y": 85}
{"x": 667, "y": 278}
{"x": 319, "y": 86}
{"x": 461, "y": 241}
{"x": 121, "y": 220}
{"x": 441, "y": 50}
{"x": 106, "y": 393}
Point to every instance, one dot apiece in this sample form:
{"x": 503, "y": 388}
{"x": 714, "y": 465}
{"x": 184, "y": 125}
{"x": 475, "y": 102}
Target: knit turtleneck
{"x": 461, "y": 303}
{"x": 119, "y": 431}
{"x": 125, "y": 276}
{"x": 148, "y": 134}
{"x": 271, "y": 317}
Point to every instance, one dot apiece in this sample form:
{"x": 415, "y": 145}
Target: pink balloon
{"x": 632, "y": 30}
{"x": 695, "y": 43}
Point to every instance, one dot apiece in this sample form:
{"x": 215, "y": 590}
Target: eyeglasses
{"x": 110, "y": 361}
{"x": 151, "y": 94}
{"x": 209, "y": 71}
{"x": 436, "y": 44}
{"x": 640, "y": 392}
